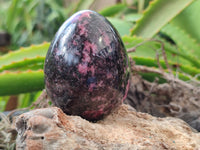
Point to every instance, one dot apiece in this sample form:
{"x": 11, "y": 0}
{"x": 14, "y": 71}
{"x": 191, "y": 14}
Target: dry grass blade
{"x": 162, "y": 48}
{"x": 7, "y": 133}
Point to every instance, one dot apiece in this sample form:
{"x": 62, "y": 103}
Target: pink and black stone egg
{"x": 86, "y": 67}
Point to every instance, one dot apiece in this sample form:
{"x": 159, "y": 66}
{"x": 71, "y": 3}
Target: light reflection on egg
{"x": 86, "y": 67}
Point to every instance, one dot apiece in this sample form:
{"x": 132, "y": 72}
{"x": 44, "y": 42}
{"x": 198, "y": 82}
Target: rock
{"x": 86, "y": 68}
{"x": 124, "y": 128}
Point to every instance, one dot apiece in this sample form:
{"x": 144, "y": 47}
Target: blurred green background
{"x": 34, "y": 21}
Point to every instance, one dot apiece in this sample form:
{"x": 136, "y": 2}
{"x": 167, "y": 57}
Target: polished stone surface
{"x": 86, "y": 67}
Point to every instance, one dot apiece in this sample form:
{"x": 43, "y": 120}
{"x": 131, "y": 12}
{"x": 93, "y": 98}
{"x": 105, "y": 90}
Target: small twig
{"x": 193, "y": 81}
{"x": 165, "y": 75}
{"x": 164, "y": 55}
{"x": 157, "y": 58}
{"x": 196, "y": 76}
{"x": 130, "y": 50}
{"x": 133, "y": 49}
{"x": 42, "y": 101}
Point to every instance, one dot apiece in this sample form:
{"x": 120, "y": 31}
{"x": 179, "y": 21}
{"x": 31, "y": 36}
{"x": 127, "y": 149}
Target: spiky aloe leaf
{"x": 184, "y": 58}
{"x": 33, "y": 57}
{"x": 24, "y": 57}
{"x": 187, "y": 20}
{"x": 184, "y": 41}
{"x": 149, "y": 48}
{"x": 150, "y": 62}
{"x": 157, "y": 15}
{"x": 20, "y": 82}
{"x": 26, "y": 63}
{"x": 112, "y": 10}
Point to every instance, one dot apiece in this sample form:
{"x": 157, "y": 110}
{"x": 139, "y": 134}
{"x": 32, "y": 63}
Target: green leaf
{"x": 149, "y": 48}
{"x": 132, "y": 17}
{"x": 141, "y": 4}
{"x": 11, "y": 14}
{"x": 123, "y": 27}
{"x": 23, "y": 100}
{"x": 18, "y": 56}
{"x": 83, "y": 4}
{"x": 189, "y": 20}
{"x": 12, "y": 83}
{"x": 157, "y": 15}
{"x": 183, "y": 40}
{"x": 25, "y": 64}
{"x": 150, "y": 62}
{"x": 3, "y": 102}
{"x": 183, "y": 58}
{"x": 112, "y": 10}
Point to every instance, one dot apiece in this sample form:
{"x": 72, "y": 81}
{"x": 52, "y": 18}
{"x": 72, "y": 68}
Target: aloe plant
{"x": 157, "y": 15}
{"x": 21, "y": 71}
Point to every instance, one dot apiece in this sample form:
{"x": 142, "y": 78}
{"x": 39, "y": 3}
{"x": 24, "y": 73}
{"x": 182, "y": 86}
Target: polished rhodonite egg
{"x": 86, "y": 67}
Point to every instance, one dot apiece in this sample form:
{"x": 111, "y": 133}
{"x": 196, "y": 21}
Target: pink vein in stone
{"x": 100, "y": 84}
{"x": 90, "y": 46}
{"x": 81, "y": 26}
{"x": 97, "y": 98}
{"x": 75, "y": 43}
{"x": 83, "y": 30}
{"x": 126, "y": 92}
{"x": 106, "y": 39}
{"x": 102, "y": 106}
{"x": 84, "y": 15}
{"x": 86, "y": 56}
{"x": 92, "y": 69}
{"x": 109, "y": 75}
{"x": 91, "y": 86}
{"x": 83, "y": 68}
